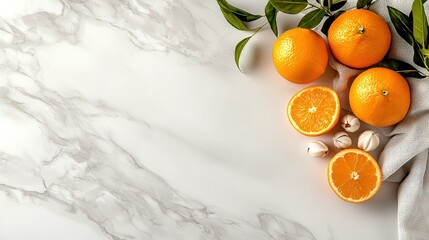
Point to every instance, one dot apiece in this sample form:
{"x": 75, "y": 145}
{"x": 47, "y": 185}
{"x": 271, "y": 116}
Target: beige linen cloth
{"x": 405, "y": 157}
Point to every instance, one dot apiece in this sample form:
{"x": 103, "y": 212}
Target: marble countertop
{"x": 129, "y": 120}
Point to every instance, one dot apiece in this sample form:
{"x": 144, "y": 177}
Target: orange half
{"x": 314, "y": 110}
{"x": 354, "y": 175}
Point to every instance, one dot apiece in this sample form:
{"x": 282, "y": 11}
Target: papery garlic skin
{"x": 368, "y": 141}
{"x": 317, "y": 149}
{"x": 342, "y": 140}
{"x": 350, "y": 123}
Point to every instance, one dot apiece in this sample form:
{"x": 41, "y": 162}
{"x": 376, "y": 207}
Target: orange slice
{"x": 354, "y": 175}
{"x": 314, "y": 111}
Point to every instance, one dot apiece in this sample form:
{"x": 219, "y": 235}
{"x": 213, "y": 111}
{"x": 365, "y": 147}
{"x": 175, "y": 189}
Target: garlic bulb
{"x": 317, "y": 149}
{"x": 368, "y": 141}
{"x": 350, "y": 123}
{"x": 342, "y": 140}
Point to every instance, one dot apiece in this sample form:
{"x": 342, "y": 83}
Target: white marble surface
{"x": 127, "y": 119}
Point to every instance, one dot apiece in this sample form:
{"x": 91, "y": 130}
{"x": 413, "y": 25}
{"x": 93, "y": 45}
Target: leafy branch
{"x": 315, "y": 13}
{"x": 239, "y": 47}
{"x": 413, "y": 28}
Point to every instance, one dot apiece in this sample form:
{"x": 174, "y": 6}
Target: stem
{"x": 424, "y": 62}
{"x": 320, "y": 7}
{"x": 328, "y": 12}
{"x": 309, "y": 7}
{"x": 259, "y": 28}
{"x": 314, "y": 5}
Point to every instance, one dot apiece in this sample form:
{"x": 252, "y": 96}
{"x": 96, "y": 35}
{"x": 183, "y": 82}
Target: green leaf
{"x": 410, "y": 18}
{"x": 312, "y": 19}
{"x": 327, "y": 3}
{"x": 239, "y": 49}
{"x": 271, "y": 15}
{"x": 239, "y": 13}
{"x": 425, "y": 52}
{"x": 337, "y": 5}
{"x": 402, "y": 24}
{"x": 418, "y": 57}
{"x": 420, "y": 24}
{"x": 329, "y": 21}
{"x": 289, "y": 6}
{"x": 363, "y": 3}
{"x": 233, "y": 20}
{"x": 403, "y": 68}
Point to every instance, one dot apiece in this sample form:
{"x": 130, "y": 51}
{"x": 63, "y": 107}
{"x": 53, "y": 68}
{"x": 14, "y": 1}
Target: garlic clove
{"x": 342, "y": 140}
{"x": 350, "y": 123}
{"x": 317, "y": 149}
{"x": 368, "y": 141}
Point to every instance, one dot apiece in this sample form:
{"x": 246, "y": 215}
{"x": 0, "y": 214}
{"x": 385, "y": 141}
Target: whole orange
{"x": 380, "y": 97}
{"x": 359, "y": 38}
{"x": 300, "y": 55}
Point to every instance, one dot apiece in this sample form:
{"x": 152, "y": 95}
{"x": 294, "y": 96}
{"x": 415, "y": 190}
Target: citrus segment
{"x": 314, "y": 110}
{"x": 354, "y": 175}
